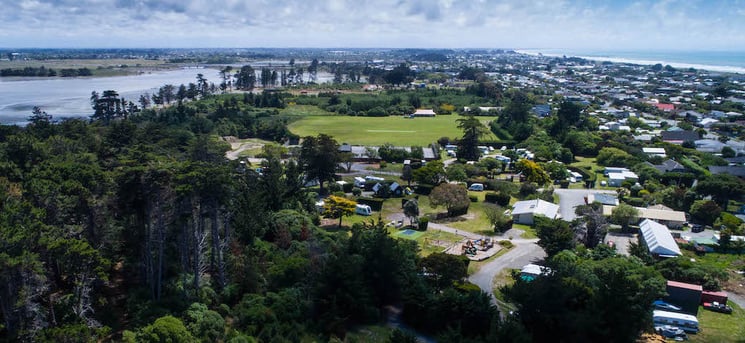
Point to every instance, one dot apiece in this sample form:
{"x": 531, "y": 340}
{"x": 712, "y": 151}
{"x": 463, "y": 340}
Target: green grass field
{"x": 374, "y": 130}
{"x": 720, "y": 327}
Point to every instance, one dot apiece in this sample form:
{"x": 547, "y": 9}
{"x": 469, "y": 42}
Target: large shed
{"x": 658, "y": 238}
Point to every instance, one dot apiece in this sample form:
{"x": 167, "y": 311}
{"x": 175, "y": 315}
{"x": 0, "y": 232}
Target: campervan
{"x": 359, "y": 182}
{"x": 478, "y": 187}
{"x": 687, "y": 322}
{"x": 364, "y": 210}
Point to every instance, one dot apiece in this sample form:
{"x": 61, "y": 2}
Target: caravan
{"x": 687, "y": 322}
{"x": 359, "y": 182}
{"x": 363, "y": 210}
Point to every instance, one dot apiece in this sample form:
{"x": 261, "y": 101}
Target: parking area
{"x": 621, "y": 241}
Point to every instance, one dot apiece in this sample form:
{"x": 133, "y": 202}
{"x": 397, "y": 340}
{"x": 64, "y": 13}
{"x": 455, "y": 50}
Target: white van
{"x": 363, "y": 210}
{"x": 478, "y": 187}
{"x": 687, "y": 322}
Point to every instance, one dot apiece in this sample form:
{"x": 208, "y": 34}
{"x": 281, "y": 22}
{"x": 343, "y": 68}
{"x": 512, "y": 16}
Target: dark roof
{"x": 683, "y": 136}
{"x": 736, "y": 160}
{"x": 732, "y": 170}
{"x": 668, "y": 166}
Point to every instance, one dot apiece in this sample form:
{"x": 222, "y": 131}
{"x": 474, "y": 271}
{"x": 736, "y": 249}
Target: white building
{"x": 524, "y": 212}
{"x": 618, "y": 178}
{"x": 658, "y": 239}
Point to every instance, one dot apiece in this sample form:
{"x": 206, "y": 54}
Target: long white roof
{"x": 658, "y": 238}
{"x": 537, "y": 206}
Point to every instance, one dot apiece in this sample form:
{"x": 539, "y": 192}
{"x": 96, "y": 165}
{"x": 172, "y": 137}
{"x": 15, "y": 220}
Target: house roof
{"x": 537, "y": 206}
{"x": 665, "y": 107}
{"x": 667, "y": 166}
{"x": 658, "y": 238}
{"x": 423, "y": 112}
{"x": 651, "y": 213}
{"x": 676, "y": 284}
{"x": 654, "y": 150}
{"x": 682, "y": 136}
{"x": 732, "y": 170}
{"x": 603, "y": 198}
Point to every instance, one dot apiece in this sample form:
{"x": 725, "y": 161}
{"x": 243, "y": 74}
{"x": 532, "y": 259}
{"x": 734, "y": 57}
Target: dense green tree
{"x": 624, "y": 215}
{"x": 614, "y": 157}
{"x": 453, "y": 196}
{"x": 433, "y": 173}
{"x": 441, "y": 270}
{"x": 411, "y": 210}
{"x": 532, "y": 172}
{"x": 499, "y": 221}
{"x": 554, "y": 235}
{"x": 319, "y": 157}
{"x": 473, "y": 130}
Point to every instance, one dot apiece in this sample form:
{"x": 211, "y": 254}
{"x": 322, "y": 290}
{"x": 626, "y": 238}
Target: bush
{"x": 383, "y": 164}
{"x": 424, "y": 189}
{"x": 356, "y": 191}
{"x": 347, "y": 187}
{"x": 375, "y": 204}
{"x": 334, "y": 187}
{"x": 423, "y": 223}
{"x": 564, "y": 183}
{"x": 498, "y": 198}
{"x": 473, "y": 198}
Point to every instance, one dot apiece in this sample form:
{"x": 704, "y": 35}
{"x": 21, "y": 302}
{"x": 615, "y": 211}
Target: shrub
{"x": 473, "y": 198}
{"x": 424, "y": 189}
{"x": 383, "y": 164}
{"x": 347, "y": 187}
{"x": 356, "y": 191}
{"x": 375, "y": 204}
{"x": 423, "y": 223}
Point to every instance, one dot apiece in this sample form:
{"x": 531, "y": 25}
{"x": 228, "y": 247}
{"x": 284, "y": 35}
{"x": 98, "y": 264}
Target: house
{"x": 672, "y": 219}
{"x": 523, "y": 212}
{"x": 658, "y": 239}
{"x": 655, "y": 152}
{"x": 617, "y": 179}
{"x": 423, "y": 113}
{"x": 738, "y": 171}
{"x": 708, "y": 122}
{"x": 678, "y": 137}
{"x": 668, "y": 166}
{"x": 709, "y": 145}
{"x": 665, "y": 107}
{"x": 685, "y": 295}
{"x": 603, "y": 198}
{"x": 542, "y": 110}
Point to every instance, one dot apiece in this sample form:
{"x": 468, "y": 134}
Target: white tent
{"x": 658, "y": 238}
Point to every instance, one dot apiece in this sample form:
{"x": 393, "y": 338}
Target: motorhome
{"x": 363, "y": 210}
{"x": 687, "y": 322}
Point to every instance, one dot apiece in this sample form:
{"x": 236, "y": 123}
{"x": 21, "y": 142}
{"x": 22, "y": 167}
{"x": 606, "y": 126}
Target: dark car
{"x": 717, "y": 307}
{"x": 697, "y": 228}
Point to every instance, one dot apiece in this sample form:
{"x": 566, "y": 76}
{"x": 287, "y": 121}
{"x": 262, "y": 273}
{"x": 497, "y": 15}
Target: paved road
{"x": 524, "y": 252}
{"x": 571, "y": 198}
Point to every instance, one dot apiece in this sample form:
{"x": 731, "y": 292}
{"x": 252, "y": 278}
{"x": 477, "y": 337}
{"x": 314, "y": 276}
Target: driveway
{"x": 525, "y": 251}
{"x": 571, "y": 198}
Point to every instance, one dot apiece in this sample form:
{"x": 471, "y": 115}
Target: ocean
{"x": 720, "y": 61}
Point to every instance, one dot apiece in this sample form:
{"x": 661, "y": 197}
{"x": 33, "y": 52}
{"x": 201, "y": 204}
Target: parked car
{"x": 718, "y": 307}
{"x": 697, "y": 228}
{"x": 661, "y": 305}
{"x": 669, "y": 331}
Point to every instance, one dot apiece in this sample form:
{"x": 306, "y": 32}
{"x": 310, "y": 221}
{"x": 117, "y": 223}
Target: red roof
{"x": 665, "y": 107}
{"x": 717, "y": 294}
{"x": 690, "y": 286}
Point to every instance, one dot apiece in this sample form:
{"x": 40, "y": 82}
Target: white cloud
{"x": 376, "y": 23}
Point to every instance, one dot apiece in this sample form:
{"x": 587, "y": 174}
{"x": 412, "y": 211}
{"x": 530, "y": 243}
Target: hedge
{"x": 424, "y": 189}
{"x": 498, "y": 198}
{"x": 375, "y": 204}
{"x": 473, "y": 198}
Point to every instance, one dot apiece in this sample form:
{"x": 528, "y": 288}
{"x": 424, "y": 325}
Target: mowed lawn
{"x": 374, "y": 131}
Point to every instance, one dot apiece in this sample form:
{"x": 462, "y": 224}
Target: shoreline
{"x": 623, "y": 60}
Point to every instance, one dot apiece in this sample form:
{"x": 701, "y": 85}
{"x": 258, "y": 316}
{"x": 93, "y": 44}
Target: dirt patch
{"x": 735, "y": 284}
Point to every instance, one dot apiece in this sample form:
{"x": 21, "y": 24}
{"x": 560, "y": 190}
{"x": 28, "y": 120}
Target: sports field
{"x": 379, "y": 130}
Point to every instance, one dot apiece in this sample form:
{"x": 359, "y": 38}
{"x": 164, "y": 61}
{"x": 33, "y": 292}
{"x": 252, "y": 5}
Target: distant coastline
{"x": 726, "y": 62}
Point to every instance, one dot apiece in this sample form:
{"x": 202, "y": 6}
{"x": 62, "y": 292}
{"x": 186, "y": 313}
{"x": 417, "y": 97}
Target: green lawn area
{"x": 720, "y": 327}
{"x": 528, "y": 231}
{"x": 374, "y": 130}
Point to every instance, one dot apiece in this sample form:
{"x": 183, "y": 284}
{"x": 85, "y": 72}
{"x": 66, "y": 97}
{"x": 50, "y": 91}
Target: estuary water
{"x": 70, "y": 97}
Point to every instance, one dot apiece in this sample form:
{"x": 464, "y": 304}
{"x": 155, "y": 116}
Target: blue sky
{"x": 519, "y": 24}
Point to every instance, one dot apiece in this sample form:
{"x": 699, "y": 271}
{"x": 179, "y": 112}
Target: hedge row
{"x": 375, "y": 204}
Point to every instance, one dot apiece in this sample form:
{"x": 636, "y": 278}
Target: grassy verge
{"x": 720, "y": 327}
{"x": 528, "y": 231}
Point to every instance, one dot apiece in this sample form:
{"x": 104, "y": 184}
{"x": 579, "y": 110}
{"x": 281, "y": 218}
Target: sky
{"x": 690, "y": 25}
